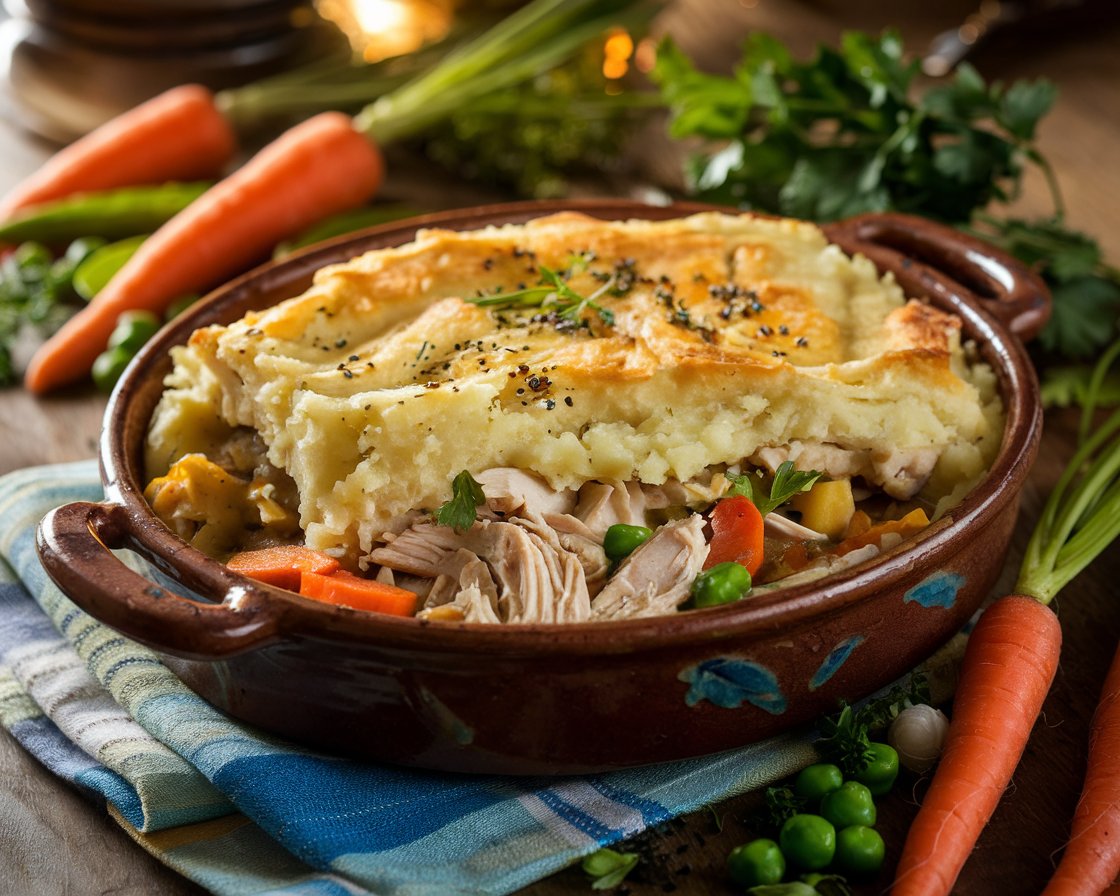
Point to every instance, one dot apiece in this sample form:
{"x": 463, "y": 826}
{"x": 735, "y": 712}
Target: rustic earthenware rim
{"x": 131, "y": 405}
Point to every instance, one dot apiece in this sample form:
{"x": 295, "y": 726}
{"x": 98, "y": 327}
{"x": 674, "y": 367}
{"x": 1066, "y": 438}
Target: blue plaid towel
{"x": 242, "y": 813}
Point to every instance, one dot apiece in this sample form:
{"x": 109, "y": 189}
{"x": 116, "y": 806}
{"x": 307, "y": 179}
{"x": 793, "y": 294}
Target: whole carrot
{"x": 1091, "y": 860}
{"x": 1006, "y": 672}
{"x": 178, "y": 136}
{"x": 318, "y": 168}
{"x": 1009, "y": 664}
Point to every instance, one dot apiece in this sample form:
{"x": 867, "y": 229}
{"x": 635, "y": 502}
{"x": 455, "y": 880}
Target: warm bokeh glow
{"x": 381, "y": 28}
{"x": 617, "y": 50}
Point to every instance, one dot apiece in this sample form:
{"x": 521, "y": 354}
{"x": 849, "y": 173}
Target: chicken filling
{"x": 509, "y": 549}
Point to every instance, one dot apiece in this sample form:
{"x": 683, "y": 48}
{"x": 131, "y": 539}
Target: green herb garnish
{"x": 840, "y": 135}
{"x": 554, "y": 294}
{"x": 781, "y": 805}
{"x": 36, "y": 296}
{"x": 845, "y": 738}
{"x": 608, "y": 867}
{"x": 786, "y": 483}
{"x": 1086, "y": 290}
{"x": 462, "y": 510}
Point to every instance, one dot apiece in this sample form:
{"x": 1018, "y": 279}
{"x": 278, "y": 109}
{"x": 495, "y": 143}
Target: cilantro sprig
{"x": 553, "y": 292}
{"x": 461, "y": 510}
{"x": 786, "y": 483}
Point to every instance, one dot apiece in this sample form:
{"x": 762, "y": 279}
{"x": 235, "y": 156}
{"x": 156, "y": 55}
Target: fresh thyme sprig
{"x": 555, "y": 294}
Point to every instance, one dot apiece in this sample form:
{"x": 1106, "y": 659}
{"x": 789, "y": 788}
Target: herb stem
{"x": 1096, "y": 383}
{"x": 1051, "y": 181}
{"x": 1076, "y": 523}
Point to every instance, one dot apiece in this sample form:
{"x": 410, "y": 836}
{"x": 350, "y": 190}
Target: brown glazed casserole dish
{"x": 544, "y": 699}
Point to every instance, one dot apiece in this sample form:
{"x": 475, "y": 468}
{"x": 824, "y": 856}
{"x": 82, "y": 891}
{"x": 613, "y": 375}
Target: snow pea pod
{"x": 112, "y": 214}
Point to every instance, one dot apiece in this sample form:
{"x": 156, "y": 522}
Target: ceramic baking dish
{"x": 543, "y": 699}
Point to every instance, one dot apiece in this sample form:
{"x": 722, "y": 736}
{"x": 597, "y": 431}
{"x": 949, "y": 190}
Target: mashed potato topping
{"x": 581, "y": 351}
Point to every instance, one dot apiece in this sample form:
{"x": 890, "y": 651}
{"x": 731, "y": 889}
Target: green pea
{"x": 808, "y": 841}
{"x": 109, "y": 365}
{"x": 756, "y": 863}
{"x": 881, "y": 771}
{"x": 724, "y": 583}
{"x": 859, "y": 850}
{"x": 622, "y": 540}
{"x": 133, "y": 329}
{"x": 816, "y": 780}
{"x": 850, "y": 804}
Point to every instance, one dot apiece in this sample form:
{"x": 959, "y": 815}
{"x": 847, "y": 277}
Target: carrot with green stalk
{"x": 1091, "y": 860}
{"x": 1008, "y": 666}
{"x": 324, "y": 166}
{"x": 192, "y": 133}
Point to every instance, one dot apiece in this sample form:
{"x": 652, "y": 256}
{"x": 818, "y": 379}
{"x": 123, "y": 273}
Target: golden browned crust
{"x": 708, "y": 338}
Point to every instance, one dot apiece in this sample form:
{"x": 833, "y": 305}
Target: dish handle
{"x": 75, "y": 543}
{"x": 935, "y": 260}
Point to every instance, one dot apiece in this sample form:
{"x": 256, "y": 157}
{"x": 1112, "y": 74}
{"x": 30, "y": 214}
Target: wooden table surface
{"x": 52, "y": 841}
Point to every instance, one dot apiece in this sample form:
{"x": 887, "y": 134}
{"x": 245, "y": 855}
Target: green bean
{"x": 111, "y": 214}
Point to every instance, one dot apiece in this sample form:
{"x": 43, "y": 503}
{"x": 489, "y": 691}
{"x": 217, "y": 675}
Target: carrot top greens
{"x": 1082, "y": 515}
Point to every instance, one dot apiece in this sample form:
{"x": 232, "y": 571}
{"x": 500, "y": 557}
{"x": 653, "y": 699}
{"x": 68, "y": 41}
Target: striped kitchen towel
{"x": 243, "y": 813}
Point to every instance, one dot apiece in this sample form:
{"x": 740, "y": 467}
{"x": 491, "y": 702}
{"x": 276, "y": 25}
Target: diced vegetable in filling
{"x": 507, "y": 548}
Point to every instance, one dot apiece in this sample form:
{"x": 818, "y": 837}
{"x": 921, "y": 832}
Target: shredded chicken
{"x": 901, "y": 474}
{"x": 605, "y": 504}
{"x": 656, "y": 578}
{"x": 511, "y": 491}
{"x": 574, "y": 536}
{"x": 534, "y": 577}
{"x": 784, "y": 527}
{"x": 535, "y": 554}
{"x": 826, "y": 566}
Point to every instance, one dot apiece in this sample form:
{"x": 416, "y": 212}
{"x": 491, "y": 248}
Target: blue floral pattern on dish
{"x": 835, "y": 659}
{"x": 939, "y": 590}
{"x": 729, "y": 681}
